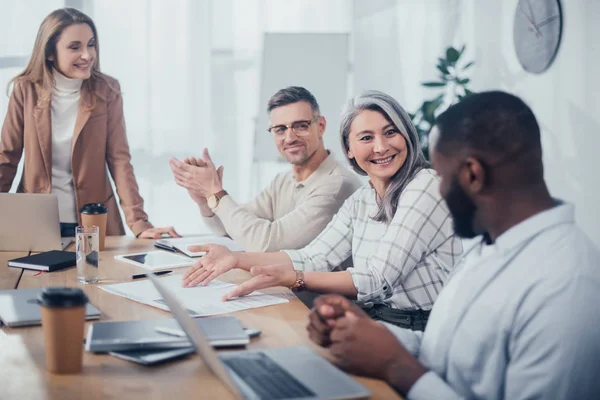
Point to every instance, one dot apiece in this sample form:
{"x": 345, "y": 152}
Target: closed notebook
{"x": 50, "y": 261}
{"x": 108, "y": 336}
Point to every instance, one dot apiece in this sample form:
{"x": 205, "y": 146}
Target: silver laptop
{"x": 18, "y": 307}
{"x": 283, "y": 373}
{"x": 30, "y": 223}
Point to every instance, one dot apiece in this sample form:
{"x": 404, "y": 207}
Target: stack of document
{"x": 182, "y": 244}
{"x": 199, "y": 300}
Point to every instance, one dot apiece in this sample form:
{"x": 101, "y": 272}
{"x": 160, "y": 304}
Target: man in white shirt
{"x": 297, "y": 205}
{"x": 519, "y": 317}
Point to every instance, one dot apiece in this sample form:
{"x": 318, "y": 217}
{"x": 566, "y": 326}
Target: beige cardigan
{"x": 99, "y": 140}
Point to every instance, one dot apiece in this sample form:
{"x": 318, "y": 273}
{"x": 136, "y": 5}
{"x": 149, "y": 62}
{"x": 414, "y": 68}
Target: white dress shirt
{"x": 402, "y": 264}
{"x": 64, "y": 104}
{"x": 518, "y": 319}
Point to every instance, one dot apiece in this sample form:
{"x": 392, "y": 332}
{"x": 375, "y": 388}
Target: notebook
{"x": 19, "y": 307}
{"x": 50, "y": 261}
{"x": 150, "y": 334}
{"x": 182, "y": 244}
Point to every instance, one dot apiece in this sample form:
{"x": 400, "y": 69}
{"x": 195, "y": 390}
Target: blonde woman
{"x": 397, "y": 230}
{"x": 67, "y": 117}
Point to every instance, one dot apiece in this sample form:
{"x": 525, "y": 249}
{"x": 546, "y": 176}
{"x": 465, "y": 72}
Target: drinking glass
{"x": 87, "y": 239}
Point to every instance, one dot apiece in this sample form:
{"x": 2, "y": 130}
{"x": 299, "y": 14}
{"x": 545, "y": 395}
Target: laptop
{"x": 30, "y": 223}
{"x": 19, "y": 307}
{"x": 282, "y": 373}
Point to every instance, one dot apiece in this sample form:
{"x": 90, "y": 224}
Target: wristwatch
{"x": 213, "y": 199}
{"x": 299, "y": 285}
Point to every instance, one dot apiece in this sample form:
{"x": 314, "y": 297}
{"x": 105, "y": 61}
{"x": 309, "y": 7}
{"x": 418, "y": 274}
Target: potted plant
{"x": 452, "y": 84}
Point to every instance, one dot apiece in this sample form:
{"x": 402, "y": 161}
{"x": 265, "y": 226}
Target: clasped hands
{"x": 198, "y": 175}
{"x": 360, "y": 345}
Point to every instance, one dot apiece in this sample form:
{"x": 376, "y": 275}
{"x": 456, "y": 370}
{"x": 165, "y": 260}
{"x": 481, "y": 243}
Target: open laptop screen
{"x": 196, "y": 336}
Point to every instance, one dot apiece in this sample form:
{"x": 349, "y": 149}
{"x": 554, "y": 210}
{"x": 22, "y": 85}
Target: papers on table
{"x": 199, "y": 300}
{"x": 182, "y": 244}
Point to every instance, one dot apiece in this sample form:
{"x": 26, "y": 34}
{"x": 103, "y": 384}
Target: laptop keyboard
{"x": 267, "y": 379}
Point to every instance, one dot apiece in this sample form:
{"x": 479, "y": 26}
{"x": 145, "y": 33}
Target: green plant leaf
{"x": 467, "y": 92}
{"x": 429, "y": 111}
{"x": 443, "y": 69}
{"x": 433, "y": 84}
{"x": 468, "y": 65}
{"x": 463, "y": 81}
{"x": 452, "y": 55}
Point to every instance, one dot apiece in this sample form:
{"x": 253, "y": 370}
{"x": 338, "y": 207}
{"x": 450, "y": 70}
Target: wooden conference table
{"x": 107, "y": 377}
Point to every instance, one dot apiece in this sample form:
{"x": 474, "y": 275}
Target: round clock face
{"x": 536, "y": 32}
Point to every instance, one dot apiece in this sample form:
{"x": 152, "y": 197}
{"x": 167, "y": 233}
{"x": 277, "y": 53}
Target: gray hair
{"x": 415, "y": 160}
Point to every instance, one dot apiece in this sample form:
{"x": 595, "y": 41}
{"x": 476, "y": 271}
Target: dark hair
{"x": 494, "y": 124}
{"x": 395, "y": 114}
{"x": 290, "y": 95}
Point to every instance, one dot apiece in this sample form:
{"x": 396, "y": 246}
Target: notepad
{"x": 50, "y": 261}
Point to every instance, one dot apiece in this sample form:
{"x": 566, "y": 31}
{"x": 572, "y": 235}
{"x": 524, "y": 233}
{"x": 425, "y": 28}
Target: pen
{"x": 169, "y": 331}
{"x": 138, "y": 276}
{"x": 165, "y": 247}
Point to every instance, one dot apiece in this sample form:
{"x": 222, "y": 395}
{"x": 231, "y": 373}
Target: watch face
{"x": 536, "y": 32}
{"x": 212, "y": 201}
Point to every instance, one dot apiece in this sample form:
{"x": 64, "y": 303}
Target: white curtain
{"x": 190, "y": 70}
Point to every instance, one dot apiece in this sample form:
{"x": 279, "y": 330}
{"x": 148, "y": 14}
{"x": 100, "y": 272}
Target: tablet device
{"x": 156, "y": 260}
{"x": 152, "y": 357}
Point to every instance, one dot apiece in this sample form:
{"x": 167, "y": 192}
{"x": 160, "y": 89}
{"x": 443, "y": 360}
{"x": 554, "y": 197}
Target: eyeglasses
{"x": 300, "y": 128}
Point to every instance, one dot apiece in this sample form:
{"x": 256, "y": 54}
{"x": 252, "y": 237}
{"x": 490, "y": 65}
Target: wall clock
{"x": 537, "y": 30}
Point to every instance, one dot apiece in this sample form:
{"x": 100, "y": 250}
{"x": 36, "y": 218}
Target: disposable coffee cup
{"x": 95, "y": 214}
{"x": 63, "y": 317}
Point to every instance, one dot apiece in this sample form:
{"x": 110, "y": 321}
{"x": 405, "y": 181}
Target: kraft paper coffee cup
{"x": 63, "y": 317}
{"x": 95, "y": 214}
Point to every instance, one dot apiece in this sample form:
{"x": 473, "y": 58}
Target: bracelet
{"x": 299, "y": 285}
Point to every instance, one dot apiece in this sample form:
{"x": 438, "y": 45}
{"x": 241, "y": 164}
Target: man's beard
{"x": 462, "y": 209}
{"x": 300, "y": 159}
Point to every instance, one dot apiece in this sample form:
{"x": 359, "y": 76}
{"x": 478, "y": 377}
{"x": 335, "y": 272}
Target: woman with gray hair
{"x": 397, "y": 229}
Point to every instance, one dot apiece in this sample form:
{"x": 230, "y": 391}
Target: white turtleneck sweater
{"x": 66, "y": 94}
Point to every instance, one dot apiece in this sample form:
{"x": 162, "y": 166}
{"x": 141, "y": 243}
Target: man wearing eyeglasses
{"x": 297, "y": 205}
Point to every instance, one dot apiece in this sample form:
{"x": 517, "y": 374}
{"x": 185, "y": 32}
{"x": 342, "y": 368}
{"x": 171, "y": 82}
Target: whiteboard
{"x": 315, "y": 61}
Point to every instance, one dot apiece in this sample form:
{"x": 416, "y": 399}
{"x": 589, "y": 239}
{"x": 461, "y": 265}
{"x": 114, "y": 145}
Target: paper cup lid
{"x": 62, "y": 297}
{"x": 94, "y": 208}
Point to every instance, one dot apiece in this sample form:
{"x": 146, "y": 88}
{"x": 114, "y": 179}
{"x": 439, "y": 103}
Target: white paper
{"x": 199, "y": 300}
{"x": 182, "y": 244}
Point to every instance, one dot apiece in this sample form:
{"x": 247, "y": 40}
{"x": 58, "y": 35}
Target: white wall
{"x": 564, "y": 98}
{"x": 396, "y": 44}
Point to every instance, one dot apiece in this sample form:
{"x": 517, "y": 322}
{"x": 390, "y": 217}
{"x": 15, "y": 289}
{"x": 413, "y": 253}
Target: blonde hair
{"x": 39, "y": 68}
